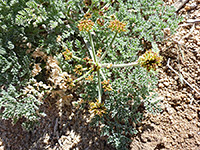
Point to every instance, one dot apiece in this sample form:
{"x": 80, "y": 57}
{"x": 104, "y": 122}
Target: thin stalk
{"x": 104, "y": 54}
{"x": 101, "y": 72}
{"x": 95, "y": 60}
{"x": 77, "y": 58}
{"x": 83, "y": 76}
{"x": 99, "y": 86}
{"x": 92, "y": 45}
{"x": 80, "y": 59}
{"x": 119, "y": 65}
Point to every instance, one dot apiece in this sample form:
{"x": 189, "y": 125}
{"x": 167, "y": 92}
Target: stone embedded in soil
{"x": 189, "y": 117}
{"x": 166, "y": 84}
{"x": 160, "y": 85}
{"x": 170, "y": 110}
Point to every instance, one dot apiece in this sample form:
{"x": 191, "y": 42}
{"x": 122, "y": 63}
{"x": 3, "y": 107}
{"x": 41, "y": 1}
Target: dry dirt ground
{"x": 177, "y": 127}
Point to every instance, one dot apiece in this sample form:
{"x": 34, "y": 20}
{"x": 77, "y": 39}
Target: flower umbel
{"x": 85, "y": 25}
{"x": 67, "y": 54}
{"x": 106, "y": 85}
{"x": 117, "y": 26}
{"x": 88, "y": 15}
{"x": 89, "y": 78}
{"x": 97, "y": 108}
{"x": 78, "y": 69}
{"x": 100, "y": 21}
{"x": 99, "y": 52}
{"x": 150, "y": 60}
{"x": 88, "y": 61}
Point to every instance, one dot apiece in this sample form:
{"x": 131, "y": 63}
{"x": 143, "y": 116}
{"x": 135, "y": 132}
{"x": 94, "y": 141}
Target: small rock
{"x": 168, "y": 95}
{"x": 198, "y": 142}
{"x": 188, "y": 117}
{"x": 190, "y": 135}
{"x": 166, "y": 84}
{"x": 144, "y": 138}
{"x": 193, "y": 5}
{"x": 2, "y": 148}
{"x": 190, "y": 6}
{"x": 176, "y": 77}
{"x": 160, "y": 85}
{"x": 170, "y": 110}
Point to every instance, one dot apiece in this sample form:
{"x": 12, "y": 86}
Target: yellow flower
{"x": 117, "y": 26}
{"x": 67, "y": 54}
{"x": 89, "y": 78}
{"x": 106, "y": 85}
{"x": 88, "y": 61}
{"x": 150, "y": 60}
{"x": 85, "y": 25}
{"x": 78, "y": 69}
{"x": 99, "y": 52}
{"x": 100, "y": 21}
{"x": 88, "y": 15}
{"x": 97, "y": 108}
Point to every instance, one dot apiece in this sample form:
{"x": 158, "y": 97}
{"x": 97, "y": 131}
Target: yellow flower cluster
{"x": 85, "y": 25}
{"x": 88, "y": 61}
{"x": 117, "y": 26}
{"x": 97, "y": 108}
{"x": 150, "y": 60}
{"x": 87, "y": 2}
{"x": 78, "y": 69}
{"x": 100, "y": 21}
{"x": 99, "y": 52}
{"x": 89, "y": 78}
{"x": 67, "y": 54}
{"x": 106, "y": 85}
{"x": 88, "y": 15}
{"x": 96, "y": 67}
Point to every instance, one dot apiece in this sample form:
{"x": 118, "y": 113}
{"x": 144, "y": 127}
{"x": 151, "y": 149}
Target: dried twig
{"x": 187, "y": 35}
{"x": 55, "y": 126}
{"x": 181, "y": 76}
{"x": 182, "y": 40}
{"x": 179, "y": 4}
{"x": 193, "y": 21}
{"x": 185, "y": 24}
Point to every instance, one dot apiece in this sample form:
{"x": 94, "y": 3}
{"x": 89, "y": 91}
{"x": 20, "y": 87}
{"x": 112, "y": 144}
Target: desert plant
{"x": 105, "y": 52}
{"x": 114, "y": 34}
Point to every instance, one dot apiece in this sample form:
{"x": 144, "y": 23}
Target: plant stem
{"x": 99, "y": 86}
{"x": 77, "y": 58}
{"x": 92, "y": 45}
{"x": 119, "y": 65}
{"x": 104, "y": 54}
{"x": 95, "y": 60}
{"x": 83, "y": 76}
{"x": 101, "y": 72}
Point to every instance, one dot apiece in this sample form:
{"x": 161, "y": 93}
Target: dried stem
{"x": 181, "y": 75}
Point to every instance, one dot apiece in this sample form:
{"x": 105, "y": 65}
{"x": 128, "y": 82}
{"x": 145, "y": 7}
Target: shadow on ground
{"x": 70, "y": 131}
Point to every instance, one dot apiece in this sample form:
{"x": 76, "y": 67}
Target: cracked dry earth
{"x": 177, "y": 127}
